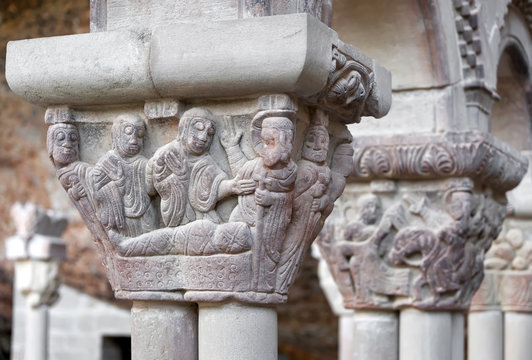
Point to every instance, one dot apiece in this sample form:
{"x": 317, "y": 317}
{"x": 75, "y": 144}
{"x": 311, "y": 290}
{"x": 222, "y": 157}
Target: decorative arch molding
{"x": 516, "y": 33}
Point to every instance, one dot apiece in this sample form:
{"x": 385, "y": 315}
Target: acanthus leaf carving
{"x": 468, "y": 154}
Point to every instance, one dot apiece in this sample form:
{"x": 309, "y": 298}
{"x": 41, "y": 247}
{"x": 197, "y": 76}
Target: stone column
{"x": 427, "y": 193}
{"x": 335, "y": 300}
{"x": 501, "y": 310}
{"x": 204, "y": 144}
{"x": 37, "y": 250}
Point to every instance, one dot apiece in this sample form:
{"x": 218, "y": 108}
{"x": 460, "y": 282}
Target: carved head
{"x": 347, "y": 81}
{"x": 62, "y": 142}
{"x": 316, "y": 144}
{"x": 459, "y": 199}
{"x": 370, "y": 209}
{"x": 196, "y": 130}
{"x": 128, "y": 134}
{"x": 277, "y": 136}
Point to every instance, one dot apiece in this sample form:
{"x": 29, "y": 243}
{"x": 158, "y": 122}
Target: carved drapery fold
{"x": 416, "y": 246}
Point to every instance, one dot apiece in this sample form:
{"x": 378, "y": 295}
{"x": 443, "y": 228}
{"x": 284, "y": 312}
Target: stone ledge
{"x": 473, "y": 154}
{"x": 275, "y": 54}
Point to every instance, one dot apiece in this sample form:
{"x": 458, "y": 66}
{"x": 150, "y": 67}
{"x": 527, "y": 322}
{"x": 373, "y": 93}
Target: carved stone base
{"x": 404, "y": 244}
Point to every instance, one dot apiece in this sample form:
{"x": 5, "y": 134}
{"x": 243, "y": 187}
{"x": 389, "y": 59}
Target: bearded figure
{"x": 269, "y": 210}
{"x": 310, "y": 199}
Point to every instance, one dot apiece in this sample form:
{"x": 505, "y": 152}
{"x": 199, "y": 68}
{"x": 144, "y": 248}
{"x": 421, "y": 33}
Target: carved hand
{"x": 243, "y": 187}
{"x": 78, "y": 191}
{"x": 263, "y": 197}
{"x": 173, "y": 163}
{"x": 230, "y": 139}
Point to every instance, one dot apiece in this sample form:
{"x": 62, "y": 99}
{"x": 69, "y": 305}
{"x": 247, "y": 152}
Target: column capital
{"x": 37, "y": 250}
{"x": 414, "y": 244}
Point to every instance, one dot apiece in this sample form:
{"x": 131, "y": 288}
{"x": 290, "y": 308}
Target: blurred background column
{"x": 37, "y": 250}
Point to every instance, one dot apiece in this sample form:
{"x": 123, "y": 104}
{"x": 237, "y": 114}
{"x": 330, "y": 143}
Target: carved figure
{"x": 187, "y": 178}
{"x": 360, "y": 252}
{"x": 269, "y": 210}
{"x": 62, "y": 143}
{"x": 122, "y": 190}
{"x": 448, "y": 260}
{"x": 348, "y": 86}
{"x": 200, "y": 237}
{"x": 310, "y": 199}
{"x": 75, "y": 176}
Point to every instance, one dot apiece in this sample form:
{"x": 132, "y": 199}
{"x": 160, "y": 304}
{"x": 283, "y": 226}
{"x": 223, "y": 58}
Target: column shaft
{"x": 375, "y": 335}
{"x": 517, "y": 330}
{"x": 237, "y": 332}
{"x": 164, "y": 330}
{"x": 485, "y": 335}
{"x": 430, "y": 335}
{"x": 345, "y": 337}
{"x": 36, "y": 342}
{"x": 457, "y": 335}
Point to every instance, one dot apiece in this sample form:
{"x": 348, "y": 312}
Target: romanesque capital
{"x": 507, "y": 284}
{"x": 394, "y": 242}
{"x": 204, "y": 156}
{"x": 37, "y": 250}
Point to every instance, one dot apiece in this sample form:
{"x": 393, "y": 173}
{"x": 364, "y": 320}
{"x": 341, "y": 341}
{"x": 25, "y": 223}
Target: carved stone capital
{"x": 37, "y": 250}
{"x": 472, "y": 154}
{"x": 219, "y": 202}
{"x": 416, "y": 244}
{"x": 508, "y": 281}
{"x": 203, "y": 144}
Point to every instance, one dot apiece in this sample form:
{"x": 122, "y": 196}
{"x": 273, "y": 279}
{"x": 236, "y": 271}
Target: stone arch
{"x": 511, "y": 119}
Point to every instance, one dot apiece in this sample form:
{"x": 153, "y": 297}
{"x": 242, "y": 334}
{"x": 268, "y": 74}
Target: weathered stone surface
{"x": 250, "y": 58}
{"x": 426, "y": 156}
{"x": 420, "y": 245}
{"x": 192, "y": 244}
{"x": 109, "y": 15}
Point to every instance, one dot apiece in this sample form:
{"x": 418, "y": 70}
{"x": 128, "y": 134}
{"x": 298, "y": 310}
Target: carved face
{"x": 316, "y": 144}
{"x": 199, "y": 135}
{"x": 459, "y": 205}
{"x": 347, "y": 89}
{"x": 130, "y": 138}
{"x": 370, "y": 209}
{"x": 276, "y": 142}
{"x": 65, "y": 145}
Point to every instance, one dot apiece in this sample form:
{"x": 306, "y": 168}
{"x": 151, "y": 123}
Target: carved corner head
{"x": 62, "y": 143}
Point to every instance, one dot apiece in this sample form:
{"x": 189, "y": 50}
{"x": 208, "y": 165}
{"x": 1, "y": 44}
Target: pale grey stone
{"x": 237, "y": 332}
{"x": 485, "y": 335}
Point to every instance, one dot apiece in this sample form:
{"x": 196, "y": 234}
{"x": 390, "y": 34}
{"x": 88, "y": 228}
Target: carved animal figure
{"x": 410, "y": 241}
{"x": 372, "y": 276}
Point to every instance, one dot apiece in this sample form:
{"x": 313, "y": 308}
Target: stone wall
{"x": 78, "y": 325}
{"x": 307, "y": 326}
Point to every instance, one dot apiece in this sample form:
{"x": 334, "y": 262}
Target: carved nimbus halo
{"x": 198, "y": 256}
